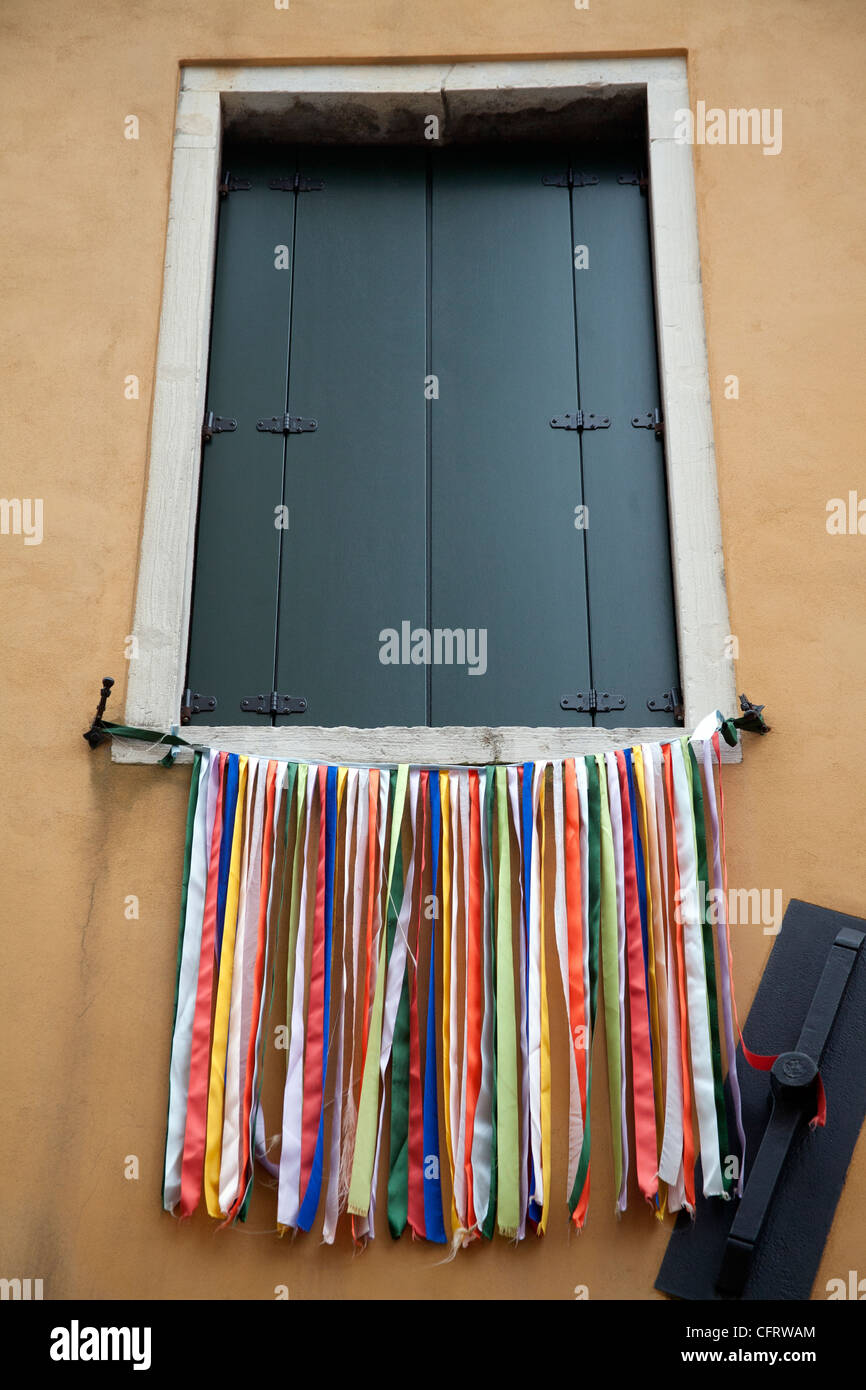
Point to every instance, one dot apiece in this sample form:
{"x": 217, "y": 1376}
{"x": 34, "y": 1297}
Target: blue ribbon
{"x": 230, "y": 801}
{"x": 433, "y": 1222}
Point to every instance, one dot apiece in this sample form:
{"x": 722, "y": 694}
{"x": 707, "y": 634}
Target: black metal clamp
{"x": 793, "y": 1080}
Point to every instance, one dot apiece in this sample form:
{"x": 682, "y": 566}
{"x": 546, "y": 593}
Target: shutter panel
{"x": 231, "y": 644}
{"x": 631, "y": 607}
{"x": 354, "y": 558}
{"x": 506, "y": 555}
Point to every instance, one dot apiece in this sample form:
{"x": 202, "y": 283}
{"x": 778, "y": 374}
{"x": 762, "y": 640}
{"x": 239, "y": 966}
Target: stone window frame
{"x": 382, "y": 101}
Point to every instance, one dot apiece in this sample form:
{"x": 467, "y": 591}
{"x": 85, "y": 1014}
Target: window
{"x": 435, "y": 551}
{"x": 514, "y": 710}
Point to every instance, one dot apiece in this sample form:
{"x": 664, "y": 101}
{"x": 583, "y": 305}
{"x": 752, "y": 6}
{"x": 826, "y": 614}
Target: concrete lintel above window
{"x": 389, "y": 102}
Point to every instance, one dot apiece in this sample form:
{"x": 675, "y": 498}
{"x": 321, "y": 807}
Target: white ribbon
{"x": 181, "y": 1043}
{"x": 696, "y": 979}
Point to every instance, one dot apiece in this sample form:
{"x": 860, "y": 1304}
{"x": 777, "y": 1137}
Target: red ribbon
{"x": 246, "y": 1168}
{"x": 316, "y": 1022}
{"x": 646, "y": 1156}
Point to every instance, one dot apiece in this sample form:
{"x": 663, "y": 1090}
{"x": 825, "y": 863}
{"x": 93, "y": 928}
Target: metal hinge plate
{"x": 274, "y": 704}
{"x": 639, "y": 179}
{"x": 652, "y": 420}
{"x": 193, "y": 703}
{"x": 287, "y": 424}
{"x": 232, "y": 185}
{"x": 580, "y": 421}
{"x": 593, "y": 702}
{"x": 296, "y": 184}
{"x": 217, "y": 424}
{"x": 669, "y": 703}
{"x": 572, "y": 178}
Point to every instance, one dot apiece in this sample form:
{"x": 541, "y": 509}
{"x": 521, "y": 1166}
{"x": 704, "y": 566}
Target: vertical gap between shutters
{"x": 585, "y": 533}
{"x": 294, "y": 215}
{"x": 428, "y": 433}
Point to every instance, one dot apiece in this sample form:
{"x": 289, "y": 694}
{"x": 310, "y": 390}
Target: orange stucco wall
{"x": 88, "y": 994}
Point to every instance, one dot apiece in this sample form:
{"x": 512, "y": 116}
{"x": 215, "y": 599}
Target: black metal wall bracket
{"x": 750, "y": 721}
{"x": 287, "y": 424}
{"x": 96, "y": 734}
{"x": 580, "y": 421}
{"x": 274, "y": 704}
{"x": 217, "y": 424}
{"x": 592, "y": 702}
{"x": 193, "y": 703}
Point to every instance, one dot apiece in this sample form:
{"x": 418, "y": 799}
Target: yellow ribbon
{"x": 216, "y": 1088}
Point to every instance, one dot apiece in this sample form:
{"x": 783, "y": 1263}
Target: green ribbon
{"x": 365, "y": 1137}
{"x": 507, "y": 1116}
{"x": 147, "y": 736}
{"x": 610, "y": 972}
{"x": 594, "y": 919}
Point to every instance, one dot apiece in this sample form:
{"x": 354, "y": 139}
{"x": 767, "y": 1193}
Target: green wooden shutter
{"x": 354, "y": 559}
{"x": 234, "y": 604}
{"x": 631, "y": 609}
{"x": 456, "y": 513}
{"x": 506, "y": 555}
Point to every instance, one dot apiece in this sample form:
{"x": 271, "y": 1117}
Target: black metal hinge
{"x": 287, "y": 424}
{"x": 232, "y": 185}
{"x": 191, "y": 704}
{"x": 639, "y": 179}
{"x": 572, "y": 178}
{"x": 669, "y": 703}
{"x": 593, "y": 702}
{"x": 216, "y": 424}
{"x": 652, "y": 420}
{"x": 274, "y": 704}
{"x": 295, "y": 184}
{"x": 580, "y": 421}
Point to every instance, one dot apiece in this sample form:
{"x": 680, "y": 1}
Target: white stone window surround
{"x": 213, "y": 98}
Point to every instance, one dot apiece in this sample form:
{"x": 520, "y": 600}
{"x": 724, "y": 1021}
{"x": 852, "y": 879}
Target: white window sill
{"x": 446, "y": 747}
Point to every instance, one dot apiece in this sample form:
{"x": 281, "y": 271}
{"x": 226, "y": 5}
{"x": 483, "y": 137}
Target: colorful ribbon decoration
{"x": 424, "y": 912}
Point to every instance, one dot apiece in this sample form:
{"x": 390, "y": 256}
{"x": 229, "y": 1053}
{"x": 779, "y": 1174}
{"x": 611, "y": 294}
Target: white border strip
{"x": 165, "y": 571}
